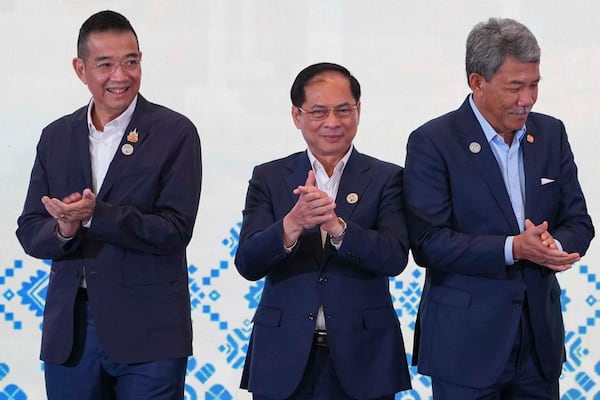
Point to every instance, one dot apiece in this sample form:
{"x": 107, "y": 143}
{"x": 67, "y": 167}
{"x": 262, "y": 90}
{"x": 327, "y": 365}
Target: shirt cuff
{"x": 289, "y": 249}
{"x": 62, "y": 238}
{"x": 508, "y": 251}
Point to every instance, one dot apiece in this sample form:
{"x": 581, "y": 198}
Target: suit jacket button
{"x": 322, "y": 279}
{"x": 311, "y": 316}
{"x": 516, "y": 302}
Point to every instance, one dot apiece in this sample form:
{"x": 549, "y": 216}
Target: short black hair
{"x": 103, "y": 21}
{"x": 297, "y": 93}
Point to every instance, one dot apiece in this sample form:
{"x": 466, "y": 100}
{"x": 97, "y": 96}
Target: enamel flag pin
{"x": 530, "y": 138}
{"x": 132, "y": 137}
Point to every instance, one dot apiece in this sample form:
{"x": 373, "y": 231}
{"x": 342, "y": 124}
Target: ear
{"x": 476, "y": 81}
{"x": 357, "y": 112}
{"x": 79, "y": 67}
{"x": 296, "y": 116}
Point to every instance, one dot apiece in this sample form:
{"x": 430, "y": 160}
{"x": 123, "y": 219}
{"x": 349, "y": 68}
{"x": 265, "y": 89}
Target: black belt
{"x": 320, "y": 339}
{"x": 82, "y": 294}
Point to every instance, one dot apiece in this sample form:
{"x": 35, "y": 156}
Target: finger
{"x": 559, "y": 268}
{"x": 528, "y": 224}
{"x": 88, "y": 194}
{"x": 72, "y": 198}
{"x": 310, "y": 178}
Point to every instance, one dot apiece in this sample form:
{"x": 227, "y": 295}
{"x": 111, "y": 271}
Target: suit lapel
{"x": 478, "y": 150}
{"x": 532, "y": 164}
{"x": 80, "y": 139}
{"x": 120, "y": 162}
{"x": 353, "y": 185}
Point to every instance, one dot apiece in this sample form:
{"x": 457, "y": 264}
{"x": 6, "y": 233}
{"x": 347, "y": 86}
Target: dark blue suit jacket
{"x": 134, "y": 252}
{"x": 459, "y": 216}
{"x": 352, "y": 284}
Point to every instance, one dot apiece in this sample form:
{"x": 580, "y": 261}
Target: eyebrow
{"x": 336, "y": 106}
{"x": 105, "y": 58}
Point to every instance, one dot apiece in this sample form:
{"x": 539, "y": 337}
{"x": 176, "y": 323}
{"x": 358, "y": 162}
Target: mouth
{"x": 521, "y": 112}
{"x": 332, "y": 138}
{"x": 117, "y": 90}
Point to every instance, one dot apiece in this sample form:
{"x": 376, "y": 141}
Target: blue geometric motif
{"x": 202, "y": 299}
{"x": 253, "y": 296}
{"x": 8, "y": 294}
{"x": 407, "y": 295}
{"x": 33, "y": 293}
{"x": 237, "y": 345}
{"x": 574, "y": 340}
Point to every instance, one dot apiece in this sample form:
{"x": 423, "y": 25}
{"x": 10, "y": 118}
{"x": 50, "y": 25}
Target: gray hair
{"x": 489, "y": 43}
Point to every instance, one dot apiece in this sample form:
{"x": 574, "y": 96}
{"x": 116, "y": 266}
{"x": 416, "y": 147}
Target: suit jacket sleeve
{"x": 152, "y": 209}
{"x": 168, "y": 224}
{"x": 380, "y": 247}
{"x": 571, "y": 224}
{"x": 376, "y": 240}
{"x": 261, "y": 245}
{"x": 455, "y": 225}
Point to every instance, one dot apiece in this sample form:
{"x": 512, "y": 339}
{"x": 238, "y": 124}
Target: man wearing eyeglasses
{"x": 326, "y": 229}
{"x": 112, "y": 202}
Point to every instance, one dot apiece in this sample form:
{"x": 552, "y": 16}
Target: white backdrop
{"x": 228, "y": 65}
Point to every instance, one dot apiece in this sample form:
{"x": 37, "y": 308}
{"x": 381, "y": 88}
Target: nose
{"x": 527, "y": 97}
{"x": 118, "y": 70}
{"x": 332, "y": 119}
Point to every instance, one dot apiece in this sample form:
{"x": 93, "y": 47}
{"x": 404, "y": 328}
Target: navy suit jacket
{"x": 352, "y": 284}
{"x": 459, "y": 216}
{"x": 134, "y": 252}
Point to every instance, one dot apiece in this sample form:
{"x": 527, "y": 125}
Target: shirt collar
{"x": 120, "y": 122}
{"x": 488, "y": 131}
{"x": 339, "y": 168}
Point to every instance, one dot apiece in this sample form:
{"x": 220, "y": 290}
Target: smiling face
{"x": 112, "y": 91}
{"x": 506, "y": 100}
{"x": 328, "y": 139}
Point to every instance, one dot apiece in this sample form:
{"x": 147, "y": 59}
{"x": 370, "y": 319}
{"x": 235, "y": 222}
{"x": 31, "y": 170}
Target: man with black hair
{"x": 326, "y": 229}
{"x": 112, "y": 201}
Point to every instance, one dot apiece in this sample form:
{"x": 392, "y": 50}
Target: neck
{"x": 508, "y": 137}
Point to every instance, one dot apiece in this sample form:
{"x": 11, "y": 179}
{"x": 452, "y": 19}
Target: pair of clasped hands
{"x": 536, "y": 244}
{"x": 71, "y": 212}
{"x": 314, "y": 207}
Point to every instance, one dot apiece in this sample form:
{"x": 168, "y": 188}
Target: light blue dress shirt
{"x": 510, "y": 161}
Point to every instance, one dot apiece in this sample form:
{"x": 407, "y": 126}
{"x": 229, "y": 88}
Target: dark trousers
{"x": 522, "y": 378}
{"x": 320, "y": 381}
{"x": 89, "y": 374}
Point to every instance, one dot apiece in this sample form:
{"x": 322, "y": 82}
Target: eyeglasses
{"x": 323, "y": 113}
{"x": 109, "y": 67}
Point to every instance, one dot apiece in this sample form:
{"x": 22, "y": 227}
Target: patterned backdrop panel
{"x": 222, "y": 308}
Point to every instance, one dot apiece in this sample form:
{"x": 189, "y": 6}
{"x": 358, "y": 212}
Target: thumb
{"x": 529, "y": 224}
